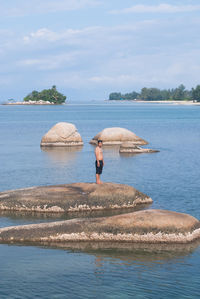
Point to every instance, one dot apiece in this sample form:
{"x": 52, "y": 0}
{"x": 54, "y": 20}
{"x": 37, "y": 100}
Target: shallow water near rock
{"x": 170, "y": 178}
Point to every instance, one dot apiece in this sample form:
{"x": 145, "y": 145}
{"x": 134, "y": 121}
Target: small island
{"x": 155, "y": 94}
{"x": 45, "y": 97}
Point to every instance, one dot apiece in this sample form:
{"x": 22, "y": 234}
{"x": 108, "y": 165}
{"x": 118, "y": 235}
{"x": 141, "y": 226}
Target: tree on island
{"x": 151, "y": 94}
{"x": 127, "y": 96}
{"x": 115, "y": 96}
{"x": 196, "y": 94}
{"x": 155, "y": 94}
{"x": 50, "y": 95}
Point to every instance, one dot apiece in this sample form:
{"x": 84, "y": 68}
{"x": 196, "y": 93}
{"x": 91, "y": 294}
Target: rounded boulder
{"x": 116, "y": 135}
{"x": 62, "y": 134}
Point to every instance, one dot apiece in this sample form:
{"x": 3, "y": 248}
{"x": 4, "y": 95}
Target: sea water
{"x": 170, "y": 178}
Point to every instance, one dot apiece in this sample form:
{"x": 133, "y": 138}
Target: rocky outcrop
{"x": 40, "y": 102}
{"x": 62, "y": 134}
{"x": 76, "y": 197}
{"x": 149, "y": 226}
{"x": 134, "y": 149}
{"x": 112, "y": 136}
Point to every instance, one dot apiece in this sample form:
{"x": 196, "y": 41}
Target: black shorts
{"x": 100, "y": 168}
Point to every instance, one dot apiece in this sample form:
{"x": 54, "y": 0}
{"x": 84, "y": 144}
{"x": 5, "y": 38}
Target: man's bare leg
{"x": 98, "y": 179}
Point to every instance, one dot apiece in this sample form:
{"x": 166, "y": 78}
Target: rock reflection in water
{"x": 128, "y": 253}
{"x": 62, "y": 155}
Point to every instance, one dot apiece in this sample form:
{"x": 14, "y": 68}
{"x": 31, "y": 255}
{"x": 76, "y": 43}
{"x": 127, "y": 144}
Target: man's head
{"x": 100, "y": 143}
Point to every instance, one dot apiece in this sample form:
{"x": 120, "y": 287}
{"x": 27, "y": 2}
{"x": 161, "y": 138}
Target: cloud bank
{"x": 93, "y": 53}
{"x": 161, "y": 8}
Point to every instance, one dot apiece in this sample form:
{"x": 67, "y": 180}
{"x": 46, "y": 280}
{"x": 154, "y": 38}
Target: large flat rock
{"x": 75, "y": 197}
{"x": 149, "y": 226}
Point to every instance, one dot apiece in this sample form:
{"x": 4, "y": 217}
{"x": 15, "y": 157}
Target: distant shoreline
{"x": 29, "y": 104}
{"x": 187, "y": 103}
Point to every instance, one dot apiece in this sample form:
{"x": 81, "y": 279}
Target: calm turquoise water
{"x": 170, "y": 177}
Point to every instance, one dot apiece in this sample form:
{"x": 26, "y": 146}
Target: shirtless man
{"x": 99, "y": 161}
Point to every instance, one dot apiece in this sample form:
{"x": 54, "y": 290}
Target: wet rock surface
{"x": 149, "y": 226}
{"x": 134, "y": 149}
{"x": 116, "y": 135}
{"x": 75, "y": 197}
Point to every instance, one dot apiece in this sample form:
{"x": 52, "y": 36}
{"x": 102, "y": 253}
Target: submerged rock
{"x": 112, "y": 136}
{"x": 134, "y": 149}
{"x": 149, "y": 226}
{"x": 62, "y": 134}
{"x": 73, "y": 198}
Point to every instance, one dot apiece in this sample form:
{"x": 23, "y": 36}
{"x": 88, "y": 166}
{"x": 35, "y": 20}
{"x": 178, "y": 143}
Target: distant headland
{"x": 158, "y": 95}
{"x": 45, "y": 97}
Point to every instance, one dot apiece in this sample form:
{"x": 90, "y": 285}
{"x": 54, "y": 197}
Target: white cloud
{"x": 161, "y": 8}
{"x": 51, "y": 62}
{"x": 133, "y": 72}
{"x": 88, "y": 37}
{"x": 160, "y": 53}
{"x": 119, "y": 79}
{"x": 69, "y": 35}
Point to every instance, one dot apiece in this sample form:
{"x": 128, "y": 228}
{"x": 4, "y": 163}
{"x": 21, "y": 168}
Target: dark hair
{"x": 100, "y": 141}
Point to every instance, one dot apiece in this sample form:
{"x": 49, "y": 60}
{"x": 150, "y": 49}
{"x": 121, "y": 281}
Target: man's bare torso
{"x": 99, "y": 153}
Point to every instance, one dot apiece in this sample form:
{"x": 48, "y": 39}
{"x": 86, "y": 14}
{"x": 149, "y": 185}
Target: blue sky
{"x": 89, "y": 48}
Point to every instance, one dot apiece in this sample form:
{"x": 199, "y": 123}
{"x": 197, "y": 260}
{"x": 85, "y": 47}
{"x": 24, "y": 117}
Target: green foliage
{"x": 151, "y": 94}
{"x": 130, "y": 96}
{"x": 51, "y": 95}
{"x": 180, "y": 93}
{"x": 196, "y": 93}
{"x": 156, "y": 94}
{"x": 115, "y": 96}
{"x": 127, "y": 96}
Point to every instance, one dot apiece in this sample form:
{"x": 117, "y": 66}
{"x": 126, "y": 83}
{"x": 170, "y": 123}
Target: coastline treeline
{"x": 47, "y": 95}
{"x": 155, "y": 94}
